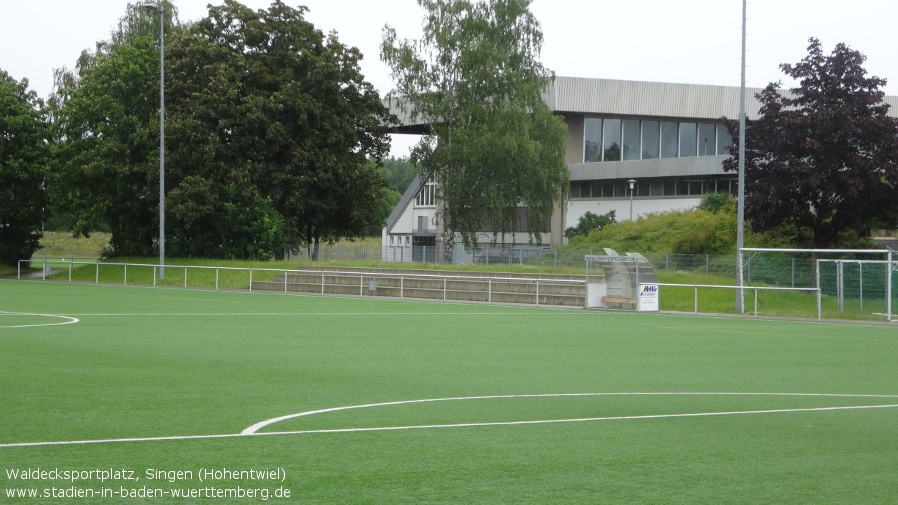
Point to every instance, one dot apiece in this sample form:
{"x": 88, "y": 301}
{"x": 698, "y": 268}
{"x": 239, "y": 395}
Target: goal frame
{"x": 888, "y": 254}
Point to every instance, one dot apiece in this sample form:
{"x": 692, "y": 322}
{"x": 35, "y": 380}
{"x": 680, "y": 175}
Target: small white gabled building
{"x": 411, "y": 233}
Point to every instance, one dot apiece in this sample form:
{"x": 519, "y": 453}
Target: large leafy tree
{"x": 24, "y": 160}
{"x": 475, "y": 80}
{"x": 303, "y": 121}
{"x": 399, "y": 173}
{"x": 214, "y": 206}
{"x": 822, "y": 158}
{"x": 106, "y": 128}
{"x": 270, "y": 126}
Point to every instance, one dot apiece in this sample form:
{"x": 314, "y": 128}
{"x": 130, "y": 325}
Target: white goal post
{"x": 851, "y": 276}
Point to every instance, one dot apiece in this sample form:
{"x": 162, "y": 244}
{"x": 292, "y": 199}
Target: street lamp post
{"x": 159, "y": 8}
{"x": 632, "y": 184}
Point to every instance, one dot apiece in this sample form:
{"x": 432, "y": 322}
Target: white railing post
{"x": 889, "y": 286}
{"x": 819, "y": 291}
{"x": 819, "y": 302}
{"x": 216, "y": 278}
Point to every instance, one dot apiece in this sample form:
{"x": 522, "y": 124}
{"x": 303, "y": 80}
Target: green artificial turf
{"x": 157, "y": 363}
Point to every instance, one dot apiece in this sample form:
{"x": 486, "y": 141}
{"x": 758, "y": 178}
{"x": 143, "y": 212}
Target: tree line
{"x": 274, "y": 137}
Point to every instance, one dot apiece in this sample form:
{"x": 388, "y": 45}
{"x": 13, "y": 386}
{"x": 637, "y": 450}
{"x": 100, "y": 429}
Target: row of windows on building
{"x": 396, "y": 241}
{"x": 427, "y": 195}
{"x": 614, "y": 139}
{"x": 657, "y": 186}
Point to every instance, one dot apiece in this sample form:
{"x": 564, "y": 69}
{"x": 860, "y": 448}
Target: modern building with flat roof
{"x": 668, "y": 139}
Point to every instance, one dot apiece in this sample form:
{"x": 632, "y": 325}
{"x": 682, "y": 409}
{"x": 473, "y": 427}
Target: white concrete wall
{"x": 641, "y": 207}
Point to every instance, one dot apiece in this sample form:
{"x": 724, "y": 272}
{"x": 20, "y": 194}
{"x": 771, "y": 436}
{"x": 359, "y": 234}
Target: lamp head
{"x": 632, "y": 182}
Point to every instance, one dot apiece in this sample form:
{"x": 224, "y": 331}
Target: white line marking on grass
{"x": 457, "y": 425}
{"x": 262, "y": 424}
{"x": 68, "y": 320}
{"x": 580, "y": 420}
{"x": 119, "y": 440}
{"x": 252, "y": 430}
{"x": 303, "y": 314}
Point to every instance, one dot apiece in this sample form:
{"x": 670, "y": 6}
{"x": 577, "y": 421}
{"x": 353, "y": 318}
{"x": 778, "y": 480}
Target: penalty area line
{"x": 445, "y": 426}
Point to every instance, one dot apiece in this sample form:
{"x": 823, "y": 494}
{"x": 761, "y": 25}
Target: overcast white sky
{"x": 686, "y": 41}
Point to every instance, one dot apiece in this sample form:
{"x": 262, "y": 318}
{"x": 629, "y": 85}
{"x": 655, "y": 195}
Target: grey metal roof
{"x": 640, "y": 98}
{"x": 404, "y": 202}
{"x": 582, "y": 95}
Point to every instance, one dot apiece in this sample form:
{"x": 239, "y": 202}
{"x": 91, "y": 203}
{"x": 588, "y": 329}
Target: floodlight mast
{"x": 159, "y": 8}
{"x": 740, "y": 213}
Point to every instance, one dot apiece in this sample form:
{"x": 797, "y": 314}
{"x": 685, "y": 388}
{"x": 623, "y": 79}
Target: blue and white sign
{"x": 647, "y": 300}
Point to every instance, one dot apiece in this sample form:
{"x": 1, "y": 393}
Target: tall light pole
{"x": 740, "y": 209}
{"x": 161, "y": 10}
{"x": 632, "y": 183}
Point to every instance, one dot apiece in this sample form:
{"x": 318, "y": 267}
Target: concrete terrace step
{"x": 545, "y": 289}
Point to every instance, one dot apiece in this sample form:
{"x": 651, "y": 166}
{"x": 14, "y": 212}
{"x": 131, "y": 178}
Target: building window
{"x": 687, "y": 139}
{"x": 621, "y": 188}
{"x": 427, "y": 196}
{"x": 707, "y": 140}
{"x": 669, "y": 139}
{"x": 611, "y": 140}
{"x": 631, "y": 139}
{"x": 651, "y": 138}
{"x": 695, "y": 187}
{"x": 592, "y": 139}
{"x": 653, "y": 187}
{"x": 670, "y": 186}
{"x": 641, "y": 188}
{"x": 723, "y": 139}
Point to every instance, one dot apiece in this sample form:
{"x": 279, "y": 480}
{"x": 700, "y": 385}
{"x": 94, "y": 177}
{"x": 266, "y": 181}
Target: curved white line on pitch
{"x": 578, "y": 420}
{"x": 70, "y": 320}
{"x": 252, "y": 430}
{"x": 472, "y": 425}
{"x": 248, "y": 433}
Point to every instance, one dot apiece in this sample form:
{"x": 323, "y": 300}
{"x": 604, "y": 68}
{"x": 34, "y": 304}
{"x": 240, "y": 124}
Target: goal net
{"x": 850, "y": 282}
